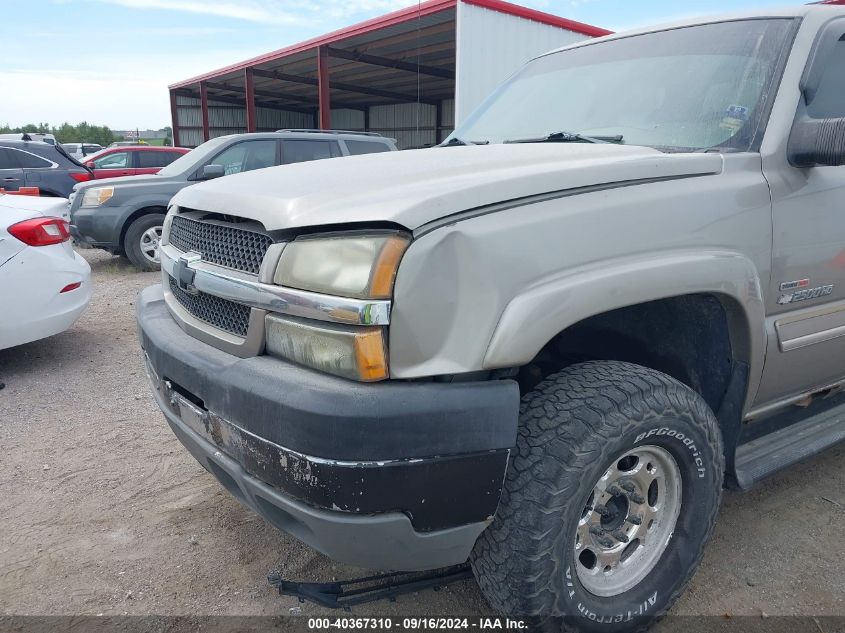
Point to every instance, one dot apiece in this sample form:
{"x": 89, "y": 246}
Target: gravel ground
{"x": 104, "y": 512}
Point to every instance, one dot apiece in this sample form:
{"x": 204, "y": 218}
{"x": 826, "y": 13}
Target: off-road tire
{"x": 132, "y": 240}
{"x": 572, "y": 427}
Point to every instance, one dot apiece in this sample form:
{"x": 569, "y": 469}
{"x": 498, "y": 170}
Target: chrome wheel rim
{"x": 150, "y": 240}
{"x": 627, "y": 521}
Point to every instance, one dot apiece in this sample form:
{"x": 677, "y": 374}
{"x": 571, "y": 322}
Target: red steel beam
{"x": 323, "y": 88}
{"x": 174, "y": 118}
{"x": 249, "y": 83}
{"x": 204, "y": 109}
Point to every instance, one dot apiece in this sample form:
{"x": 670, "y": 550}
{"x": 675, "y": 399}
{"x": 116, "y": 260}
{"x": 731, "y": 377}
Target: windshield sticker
{"x": 735, "y": 116}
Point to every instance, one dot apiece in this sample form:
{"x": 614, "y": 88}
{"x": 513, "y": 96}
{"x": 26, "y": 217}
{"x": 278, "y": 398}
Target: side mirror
{"x": 90, "y": 164}
{"x": 817, "y": 142}
{"x": 212, "y": 171}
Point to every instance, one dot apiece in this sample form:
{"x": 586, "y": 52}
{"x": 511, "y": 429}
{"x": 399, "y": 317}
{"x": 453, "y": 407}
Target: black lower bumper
{"x": 432, "y": 455}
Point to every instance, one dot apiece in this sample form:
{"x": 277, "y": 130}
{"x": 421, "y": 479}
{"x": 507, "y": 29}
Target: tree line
{"x": 66, "y": 133}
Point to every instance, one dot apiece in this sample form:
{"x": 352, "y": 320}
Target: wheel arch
{"x": 134, "y": 215}
{"x": 697, "y": 317}
{"x": 554, "y": 304}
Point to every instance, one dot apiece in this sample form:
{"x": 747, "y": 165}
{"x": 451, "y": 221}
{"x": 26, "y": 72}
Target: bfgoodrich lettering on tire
{"x": 608, "y": 502}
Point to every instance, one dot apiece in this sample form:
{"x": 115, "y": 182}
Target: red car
{"x": 132, "y": 161}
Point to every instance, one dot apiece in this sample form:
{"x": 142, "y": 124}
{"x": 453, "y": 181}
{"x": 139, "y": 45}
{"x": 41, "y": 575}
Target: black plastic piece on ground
{"x": 349, "y": 593}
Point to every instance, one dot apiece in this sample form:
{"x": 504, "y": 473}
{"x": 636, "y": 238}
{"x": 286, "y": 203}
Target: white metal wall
{"x": 491, "y": 46}
{"x": 411, "y": 124}
{"x": 348, "y": 120}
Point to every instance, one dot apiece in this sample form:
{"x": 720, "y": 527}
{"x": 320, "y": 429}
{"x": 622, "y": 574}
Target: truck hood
{"x": 412, "y": 188}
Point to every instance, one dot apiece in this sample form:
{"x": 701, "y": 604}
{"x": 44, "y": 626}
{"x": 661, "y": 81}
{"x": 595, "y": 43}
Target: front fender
{"x": 557, "y": 302}
{"x": 132, "y": 206}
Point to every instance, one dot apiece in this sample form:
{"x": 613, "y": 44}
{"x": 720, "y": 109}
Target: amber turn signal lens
{"x": 369, "y": 355}
{"x": 384, "y": 271}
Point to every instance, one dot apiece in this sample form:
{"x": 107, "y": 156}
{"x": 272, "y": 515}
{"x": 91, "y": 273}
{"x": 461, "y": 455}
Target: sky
{"x": 109, "y": 62}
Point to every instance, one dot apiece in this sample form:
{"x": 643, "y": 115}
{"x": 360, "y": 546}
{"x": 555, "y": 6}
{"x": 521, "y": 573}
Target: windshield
{"x": 684, "y": 89}
{"x": 194, "y": 158}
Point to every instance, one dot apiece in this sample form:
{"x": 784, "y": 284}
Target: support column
{"x": 249, "y": 83}
{"x": 204, "y": 108}
{"x": 325, "y": 108}
{"x": 367, "y": 119}
{"x": 438, "y": 121}
{"x": 174, "y": 119}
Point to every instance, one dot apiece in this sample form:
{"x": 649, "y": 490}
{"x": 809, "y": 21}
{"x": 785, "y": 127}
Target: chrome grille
{"x": 221, "y": 313}
{"x": 228, "y": 246}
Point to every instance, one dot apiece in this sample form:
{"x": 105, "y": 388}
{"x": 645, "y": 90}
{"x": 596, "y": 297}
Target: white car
{"x": 44, "y": 283}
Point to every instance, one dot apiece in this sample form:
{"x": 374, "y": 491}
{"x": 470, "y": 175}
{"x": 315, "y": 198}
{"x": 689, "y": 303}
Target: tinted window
{"x": 302, "y": 151}
{"x": 118, "y": 160}
{"x": 829, "y": 101}
{"x": 92, "y": 149}
{"x": 154, "y": 159}
{"x": 8, "y": 159}
{"x": 246, "y": 156}
{"x": 71, "y": 148}
{"x": 366, "y": 147}
{"x": 30, "y": 161}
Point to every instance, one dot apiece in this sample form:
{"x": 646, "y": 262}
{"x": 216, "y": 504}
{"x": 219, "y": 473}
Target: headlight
{"x": 96, "y": 196}
{"x": 361, "y": 266}
{"x": 352, "y": 352}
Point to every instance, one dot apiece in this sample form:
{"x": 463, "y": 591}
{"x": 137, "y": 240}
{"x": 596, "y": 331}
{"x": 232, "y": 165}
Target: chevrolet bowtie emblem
{"x": 184, "y": 274}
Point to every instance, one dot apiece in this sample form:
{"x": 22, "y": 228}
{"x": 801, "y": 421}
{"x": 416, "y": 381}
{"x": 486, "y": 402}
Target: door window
{"x": 246, "y": 156}
{"x": 118, "y": 160}
{"x": 829, "y": 101}
{"x": 302, "y": 151}
{"x": 366, "y": 147}
{"x": 153, "y": 159}
{"x": 31, "y": 161}
{"x": 8, "y": 159}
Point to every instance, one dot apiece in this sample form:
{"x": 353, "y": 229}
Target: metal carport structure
{"x": 411, "y": 74}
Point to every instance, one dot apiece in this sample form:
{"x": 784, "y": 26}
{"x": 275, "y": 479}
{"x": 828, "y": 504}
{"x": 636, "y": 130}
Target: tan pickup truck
{"x": 544, "y": 346}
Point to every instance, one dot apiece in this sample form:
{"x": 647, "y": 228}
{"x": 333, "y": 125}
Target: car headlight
{"x": 356, "y": 266}
{"x": 96, "y": 196}
{"x": 352, "y": 352}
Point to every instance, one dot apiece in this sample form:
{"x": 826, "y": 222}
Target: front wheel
{"x": 142, "y": 240}
{"x": 608, "y": 502}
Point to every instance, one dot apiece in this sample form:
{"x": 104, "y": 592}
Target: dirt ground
{"x": 103, "y": 512}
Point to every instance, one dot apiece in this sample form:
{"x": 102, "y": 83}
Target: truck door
{"x": 806, "y": 294}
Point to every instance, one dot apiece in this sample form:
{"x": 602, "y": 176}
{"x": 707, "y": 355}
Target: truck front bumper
{"x": 395, "y": 475}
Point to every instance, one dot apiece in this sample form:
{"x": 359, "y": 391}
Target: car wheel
{"x": 141, "y": 243}
{"x": 609, "y": 499}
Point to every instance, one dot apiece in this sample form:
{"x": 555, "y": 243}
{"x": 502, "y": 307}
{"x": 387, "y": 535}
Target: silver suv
{"x": 125, "y": 215}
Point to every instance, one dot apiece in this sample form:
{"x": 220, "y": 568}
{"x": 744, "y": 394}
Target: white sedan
{"x": 44, "y": 284}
